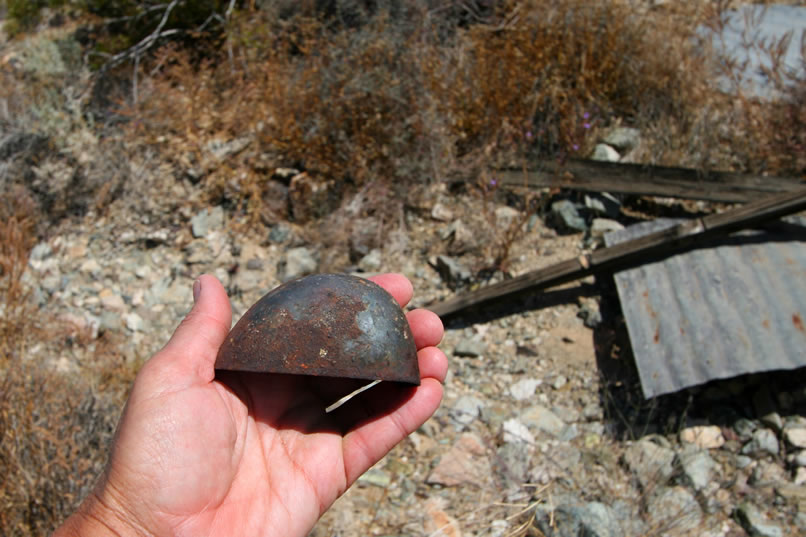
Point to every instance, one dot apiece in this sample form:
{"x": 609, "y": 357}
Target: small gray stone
{"x": 773, "y": 421}
{"x": 513, "y": 463}
{"x": 623, "y": 138}
{"x": 559, "y": 382}
{"x": 298, "y": 262}
{"x": 570, "y": 517}
{"x": 279, "y": 233}
{"x": 470, "y": 347}
{"x": 564, "y": 214}
{"x": 697, "y": 465}
{"x": 524, "y": 388}
{"x": 798, "y": 459}
{"x": 676, "y": 510}
{"x": 515, "y": 431}
{"x": 601, "y": 226}
{"x": 650, "y": 463}
{"x": 605, "y": 153}
{"x": 755, "y": 522}
{"x": 204, "y": 221}
{"x": 590, "y": 314}
{"x": 743, "y": 461}
{"x": 452, "y": 271}
{"x": 766, "y": 474}
{"x": 603, "y": 203}
{"x": 541, "y": 418}
{"x": 254, "y": 264}
{"x": 466, "y": 410}
{"x": 744, "y": 427}
{"x": 376, "y": 478}
{"x": 796, "y": 436}
{"x": 371, "y": 262}
{"x": 762, "y": 441}
{"x": 40, "y": 252}
{"x": 134, "y": 322}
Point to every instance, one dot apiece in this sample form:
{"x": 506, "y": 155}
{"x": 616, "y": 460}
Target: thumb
{"x": 191, "y": 352}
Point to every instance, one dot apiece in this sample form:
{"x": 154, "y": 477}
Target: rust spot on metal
{"x": 766, "y": 323}
{"x": 331, "y": 325}
{"x": 657, "y": 335}
{"x": 798, "y": 322}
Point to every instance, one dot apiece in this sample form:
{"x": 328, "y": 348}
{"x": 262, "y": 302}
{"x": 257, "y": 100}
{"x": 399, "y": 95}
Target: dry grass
{"x": 54, "y": 429}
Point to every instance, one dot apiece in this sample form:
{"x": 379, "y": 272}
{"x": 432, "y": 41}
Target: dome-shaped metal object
{"x": 332, "y": 325}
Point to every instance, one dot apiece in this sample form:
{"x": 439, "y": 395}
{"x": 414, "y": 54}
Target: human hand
{"x": 204, "y": 453}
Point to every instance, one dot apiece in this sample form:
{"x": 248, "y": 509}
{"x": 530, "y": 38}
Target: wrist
{"x": 100, "y": 515}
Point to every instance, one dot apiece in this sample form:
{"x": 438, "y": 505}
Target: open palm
{"x": 200, "y": 453}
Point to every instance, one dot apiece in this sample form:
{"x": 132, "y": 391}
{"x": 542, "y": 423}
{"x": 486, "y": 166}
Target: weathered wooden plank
{"x": 635, "y": 251}
{"x": 591, "y": 175}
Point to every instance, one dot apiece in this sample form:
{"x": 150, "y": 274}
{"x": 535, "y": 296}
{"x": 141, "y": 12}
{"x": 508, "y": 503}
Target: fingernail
{"x": 196, "y": 290}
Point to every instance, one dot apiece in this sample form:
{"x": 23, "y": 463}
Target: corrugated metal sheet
{"x": 728, "y": 308}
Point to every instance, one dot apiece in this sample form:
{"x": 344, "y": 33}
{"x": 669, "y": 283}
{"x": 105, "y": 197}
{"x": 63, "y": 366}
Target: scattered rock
{"x": 651, "y": 464}
{"x": 703, "y": 436}
{"x": 575, "y": 519}
{"x": 605, "y": 153}
{"x": 697, "y": 467}
{"x": 796, "y": 436}
{"x": 767, "y": 474}
{"x": 744, "y": 428}
{"x": 524, "y": 388}
{"x": 515, "y": 431}
{"x": 464, "y": 463}
{"x": 604, "y": 204}
{"x": 793, "y": 493}
{"x": 797, "y": 459}
{"x": 460, "y": 238}
{"x": 762, "y": 441}
{"x": 280, "y": 233}
{"x": 564, "y": 215}
{"x": 111, "y": 300}
{"x": 755, "y": 522}
{"x": 512, "y": 463}
{"x": 601, "y": 226}
{"x": 505, "y": 217}
{"x": 542, "y": 419}
{"x": 371, "y": 262}
{"x": 439, "y": 523}
{"x": 559, "y": 382}
{"x": 590, "y": 314}
{"x": 466, "y": 410}
{"x": 675, "y": 510}
{"x": 205, "y": 221}
{"x": 470, "y": 347}
{"x": 133, "y": 322}
{"x": 376, "y": 478}
{"x": 298, "y": 262}
{"x": 452, "y": 271}
{"x": 254, "y": 264}
{"x": 623, "y": 138}
{"x": 441, "y": 213}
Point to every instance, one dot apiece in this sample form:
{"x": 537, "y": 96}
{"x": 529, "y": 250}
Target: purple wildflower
{"x": 575, "y": 147}
{"x": 493, "y": 182}
{"x": 528, "y": 135}
{"x": 586, "y": 115}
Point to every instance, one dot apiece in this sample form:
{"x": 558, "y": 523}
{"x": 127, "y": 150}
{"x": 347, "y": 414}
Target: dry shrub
{"x": 54, "y": 428}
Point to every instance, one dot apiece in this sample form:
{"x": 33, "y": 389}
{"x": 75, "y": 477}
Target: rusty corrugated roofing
{"x": 731, "y": 307}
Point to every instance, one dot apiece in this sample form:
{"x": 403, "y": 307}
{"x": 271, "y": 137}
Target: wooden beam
{"x": 591, "y": 175}
{"x": 633, "y": 252}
